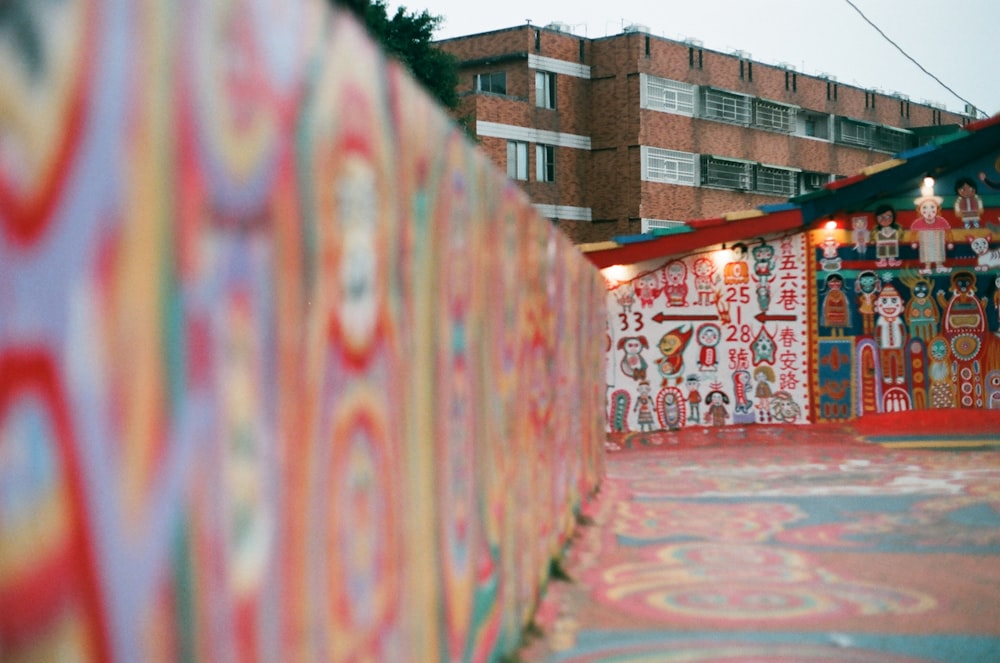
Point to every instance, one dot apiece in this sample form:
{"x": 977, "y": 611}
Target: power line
{"x": 908, "y": 57}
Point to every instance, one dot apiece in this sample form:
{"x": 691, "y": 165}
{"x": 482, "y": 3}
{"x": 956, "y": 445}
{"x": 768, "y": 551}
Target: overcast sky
{"x": 958, "y": 41}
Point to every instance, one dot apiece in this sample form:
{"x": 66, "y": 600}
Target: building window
{"x": 538, "y": 39}
{"x": 814, "y": 125}
{"x": 813, "y": 181}
{"x": 669, "y": 166}
{"x": 851, "y": 132}
{"x": 831, "y": 91}
{"x": 545, "y": 89}
{"x": 889, "y": 139}
{"x": 726, "y": 173}
{"x": 725, "y": 106}
{"x": 776, "y": 181}
{"x": 670, "y": 96}
{"x": 495, "y": 82}
{"x": 773, "y": 116}
{"x": 746, "y": 70}
{"x": 870, "y": 99}
{"x": 582, "y": 51}
{"x": 517, "y": 160}
{"x": 647, "y": 46}
{"x": 545, "y": 163}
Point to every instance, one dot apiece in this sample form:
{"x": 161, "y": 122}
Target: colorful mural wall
{"x": 710, "y": 339}
{"x": 887, "y": 309}
{"x": 287, "y": 370}
{"x": 908, "y": 300}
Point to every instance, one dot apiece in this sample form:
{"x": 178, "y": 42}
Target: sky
{"x": 958, "y": 43}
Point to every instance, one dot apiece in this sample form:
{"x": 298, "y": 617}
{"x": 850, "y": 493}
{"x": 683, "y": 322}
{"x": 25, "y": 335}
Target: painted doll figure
{"x": 644, "y": 406}
{"x": 836, "y": 313}
{"x": 968, "y": 205}
{"x": 931, "y": 230}
{"x": 708, "y": 335}
{"x": 867, "y": 286}
{"x": 694, "y": 398}
{"x": 886, "y": 237}
{"x": 922, "y": 314}
{"x": 672, "y": 344}
{"x": 717, "y": 412}
{"x": 764, "y": 375}
{"x": 890, "y": 334}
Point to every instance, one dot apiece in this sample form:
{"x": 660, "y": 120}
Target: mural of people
{"x": 886, "y": 237}
{"x": 675, "y": 287}
{"x": 964, "y": 326}
{"x": 860, "y": 234}
{"x": 968, "y": 205}
{"x": 836, "y": 312}
{"x": 931, "y": 230}
{"x": 708, "y": 336}
{"x": 633, "y": 364}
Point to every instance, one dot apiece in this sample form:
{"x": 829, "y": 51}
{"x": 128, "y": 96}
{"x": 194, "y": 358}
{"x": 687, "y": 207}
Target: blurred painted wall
{"x": 287, "y": 371}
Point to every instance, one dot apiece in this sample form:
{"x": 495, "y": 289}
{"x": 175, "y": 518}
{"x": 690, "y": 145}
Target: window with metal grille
{"x": 725, "y": 106}
{"x": 545, "y": 89}
{"x": 855, "y": 133}
{"x": 670, "y": 96}
{"x": 669, "y": 166}
{"x": 893, "y": 140}
{"x": 517, "y": 160}
{"x": 545, "y": 163}
{"x": 726, "y": 173}
{"x": 495, "y": 82}
{"x": 773, "y": 116}
{"x": 775, "y": 181}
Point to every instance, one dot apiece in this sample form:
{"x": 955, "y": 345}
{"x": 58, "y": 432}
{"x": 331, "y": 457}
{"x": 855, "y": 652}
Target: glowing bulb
{"x": 615, "y": 273}
{"x": 928, "y": 188}
{"x": 831, "y": 225}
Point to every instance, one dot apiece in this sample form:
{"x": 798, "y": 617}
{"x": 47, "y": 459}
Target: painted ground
{"x": 798, "y": 544}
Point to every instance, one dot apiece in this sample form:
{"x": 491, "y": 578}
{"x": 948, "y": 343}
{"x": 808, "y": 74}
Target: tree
{"x": 407, "y": 37}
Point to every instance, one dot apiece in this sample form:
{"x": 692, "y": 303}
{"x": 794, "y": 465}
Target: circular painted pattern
{"x": 735, "y": 601}
{"x": 699, "y": 651}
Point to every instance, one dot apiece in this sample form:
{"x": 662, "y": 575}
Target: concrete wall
{"x": 288, "y": 372}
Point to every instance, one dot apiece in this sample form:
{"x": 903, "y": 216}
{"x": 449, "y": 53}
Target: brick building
{"x": 627, "y": 133}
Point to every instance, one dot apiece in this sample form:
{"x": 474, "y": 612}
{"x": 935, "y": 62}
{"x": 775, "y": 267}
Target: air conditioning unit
{"x": 636, "y": 27}
{"x": 560, "y": 27}
{"x": 971, "y": 110}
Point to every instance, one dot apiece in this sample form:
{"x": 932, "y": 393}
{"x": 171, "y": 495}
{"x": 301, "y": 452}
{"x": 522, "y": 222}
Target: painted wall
{"x": 908, "y": 301}
{"x": 710, "y": 339}
{"x": 287, "y": 370}
{"x": 864, "y": 317}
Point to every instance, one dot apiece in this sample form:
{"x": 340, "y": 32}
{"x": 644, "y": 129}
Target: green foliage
{"x": 408, "y": 37}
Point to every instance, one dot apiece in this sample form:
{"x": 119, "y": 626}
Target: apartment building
{"x": 628, "y": 133}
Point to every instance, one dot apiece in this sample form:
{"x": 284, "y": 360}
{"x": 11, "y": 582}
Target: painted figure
{"x": 741, "y": 391}
{"x": 716, "y": 400}
{"x": 671, "y": 346}
{"x": 921, "y": 314}
{"x": 860, "y": 234}
{"x": 836, "y": 312}
{"x": 648, "y": 288}
{"x": 985, "y": 258}
{"x": 675, "y": 287}
{"x": 632, "y": 364}
{"x": 708, "y": 336}
{"x": 736, "y": 271}
{"x": 673, "y": 415}
{"x": 694, "y": 397}
{"x": 867, "y": 286}
{"x": 704, "y": 280}
{"x": 931, "y": 230}
{"x": 886, "y": 237}
{"x": 968, "y": 205}
{"x": 964, "y": 326}
{"x": 942, "y": 394}
{"x": 644, "y": 406}
{"x": 625, "y": 296}
{"x": 890, "y": 334}
{"x": 762, "y": 394}
{"x": 784, "y": 408}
